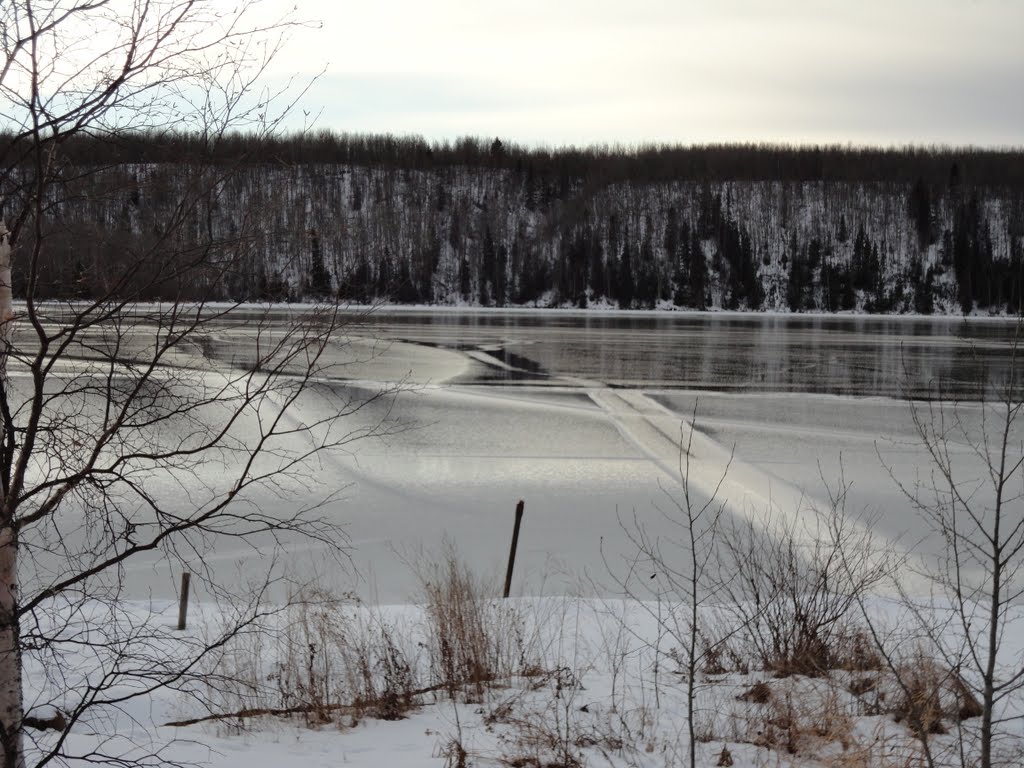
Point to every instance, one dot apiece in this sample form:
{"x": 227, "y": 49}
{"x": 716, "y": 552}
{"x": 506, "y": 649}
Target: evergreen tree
{"x": 597, "y": 275}
{"x": 709, "y": 213}
{"x": 531, "y": 194}
{"x": 797, "y": 280}
{"x": 80, "y": 288}
{"x": 464, "y": 279}
{"x": 489, "y": 267}
{"x": 407, "y": 291}
{"x": 972, "y": 256}
{"x": 919, "y": 207}
{"x": 1015, "y": 275}
{"x": 696, "y": 270}
{"x": 670, "y": 240}
{"x": 681, "y": 268}
{"x": 921, "y": 282}
{"x": 428, "y": 263}
{"x": 319, "y": 275}
{"x": 646, "y": 279}
{"x": 500, "y": 279}
{"x": 383, "y": 286}
{"x": 625, "y": 288}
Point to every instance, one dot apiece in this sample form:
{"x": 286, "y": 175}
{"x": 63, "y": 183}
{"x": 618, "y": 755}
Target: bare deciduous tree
{"x": 136, "y": 431}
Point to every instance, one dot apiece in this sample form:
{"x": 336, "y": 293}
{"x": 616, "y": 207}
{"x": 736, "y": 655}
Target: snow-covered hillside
{"x": 495, "y": 236}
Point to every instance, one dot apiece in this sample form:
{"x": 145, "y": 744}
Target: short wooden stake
{"x": 183, "y": 600}
{"x": 512, "y": 552}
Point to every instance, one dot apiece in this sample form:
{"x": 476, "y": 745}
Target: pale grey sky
{"x": 584, "y": 71}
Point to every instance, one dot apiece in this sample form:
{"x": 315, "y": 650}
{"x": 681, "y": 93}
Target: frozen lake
{"x": 580, "y": 415}
{"x": 841, "y": 355}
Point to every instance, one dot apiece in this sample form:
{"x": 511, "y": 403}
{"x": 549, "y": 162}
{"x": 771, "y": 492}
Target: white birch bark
{"x": 10, "y": 651}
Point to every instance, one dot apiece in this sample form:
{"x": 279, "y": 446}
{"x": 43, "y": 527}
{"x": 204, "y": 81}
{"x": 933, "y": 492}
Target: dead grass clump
{"x": 536, "y": 762}
{"x": 549, "y": 729}
{"x": 880, "y": 749}
{"x": 318, "y": 657}
{"x": 968, "y": 704}
{"x": 454, "y": 754}
{"x": 832, "y": 722}
{"x": 459, "y": 637}
{"x": 855, "y": 651}
{"x": 344, "y": 655}
{"x": 859, "y": 686}
{"x": 758, "y": 693}
{"x": 379, "y": 674}
{"x": 778, "y": 727}
{"x": 719, "y": 657}
{"x": 472, "y": 639}
{"x": 310, "y": 671}
{"x": 930, "y": 695}
{"x": 538, "y": 744}
{"x": 798, "y": 717}
{"x": 919, "y": 703}
{"x": 870, "y": 696}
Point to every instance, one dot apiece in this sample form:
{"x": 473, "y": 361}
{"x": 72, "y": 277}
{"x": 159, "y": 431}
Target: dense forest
{"x": 489, "y": 223}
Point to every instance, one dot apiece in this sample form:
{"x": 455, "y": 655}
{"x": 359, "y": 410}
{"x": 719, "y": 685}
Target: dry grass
{"x": 472, "y": 638}
{"x": 929, "y": 697}
{"x": 323, "y": 657}
{"x": 797, "y": 724}
{"x": 821, "y": 718}
{"x": 332, "y": 656}
{"x": 545, "y": 726}
{"x": 880, "y": 750}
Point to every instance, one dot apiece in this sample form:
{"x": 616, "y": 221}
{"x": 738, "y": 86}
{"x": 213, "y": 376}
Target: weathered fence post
{"x": 186, "y": 577}
{"x": 512, "y": 552}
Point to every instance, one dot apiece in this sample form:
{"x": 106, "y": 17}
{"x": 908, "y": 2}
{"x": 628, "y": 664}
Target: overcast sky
{"x": 631, "y": 71}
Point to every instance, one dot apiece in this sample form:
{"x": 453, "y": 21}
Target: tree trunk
{"x": 10, "y": 654}
{"x": 10, "y": 640}
{"x": 996, "y": 620}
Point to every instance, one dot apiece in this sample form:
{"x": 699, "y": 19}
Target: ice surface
{"x": 481, "y": 426}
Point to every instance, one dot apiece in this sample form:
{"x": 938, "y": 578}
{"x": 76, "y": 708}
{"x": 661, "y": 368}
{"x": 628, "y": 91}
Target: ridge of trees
{"x": 601, "y": 163}
{"x": 497, "y": 224}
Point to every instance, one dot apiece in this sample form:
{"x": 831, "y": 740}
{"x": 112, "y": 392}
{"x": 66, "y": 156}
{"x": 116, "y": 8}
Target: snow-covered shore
{"x": 594, "y": 682}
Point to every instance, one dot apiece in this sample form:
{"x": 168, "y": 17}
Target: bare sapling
{"x": 671, "y": 576}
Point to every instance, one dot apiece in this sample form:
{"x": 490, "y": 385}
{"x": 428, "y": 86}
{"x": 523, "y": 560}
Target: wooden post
{"x": 183, "y": 600}
{"x": 512, "y": 552}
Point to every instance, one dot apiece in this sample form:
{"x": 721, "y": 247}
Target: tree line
{"x": 595, "y": 164}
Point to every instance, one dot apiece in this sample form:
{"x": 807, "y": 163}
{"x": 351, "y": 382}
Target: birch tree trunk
{"x": 10, "y": 645}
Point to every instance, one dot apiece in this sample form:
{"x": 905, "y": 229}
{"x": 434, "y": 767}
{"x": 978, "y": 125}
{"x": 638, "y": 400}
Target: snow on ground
{"x": 593, "y": 682}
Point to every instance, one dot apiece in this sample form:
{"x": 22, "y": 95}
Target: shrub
{"x": 791, "y": 586}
